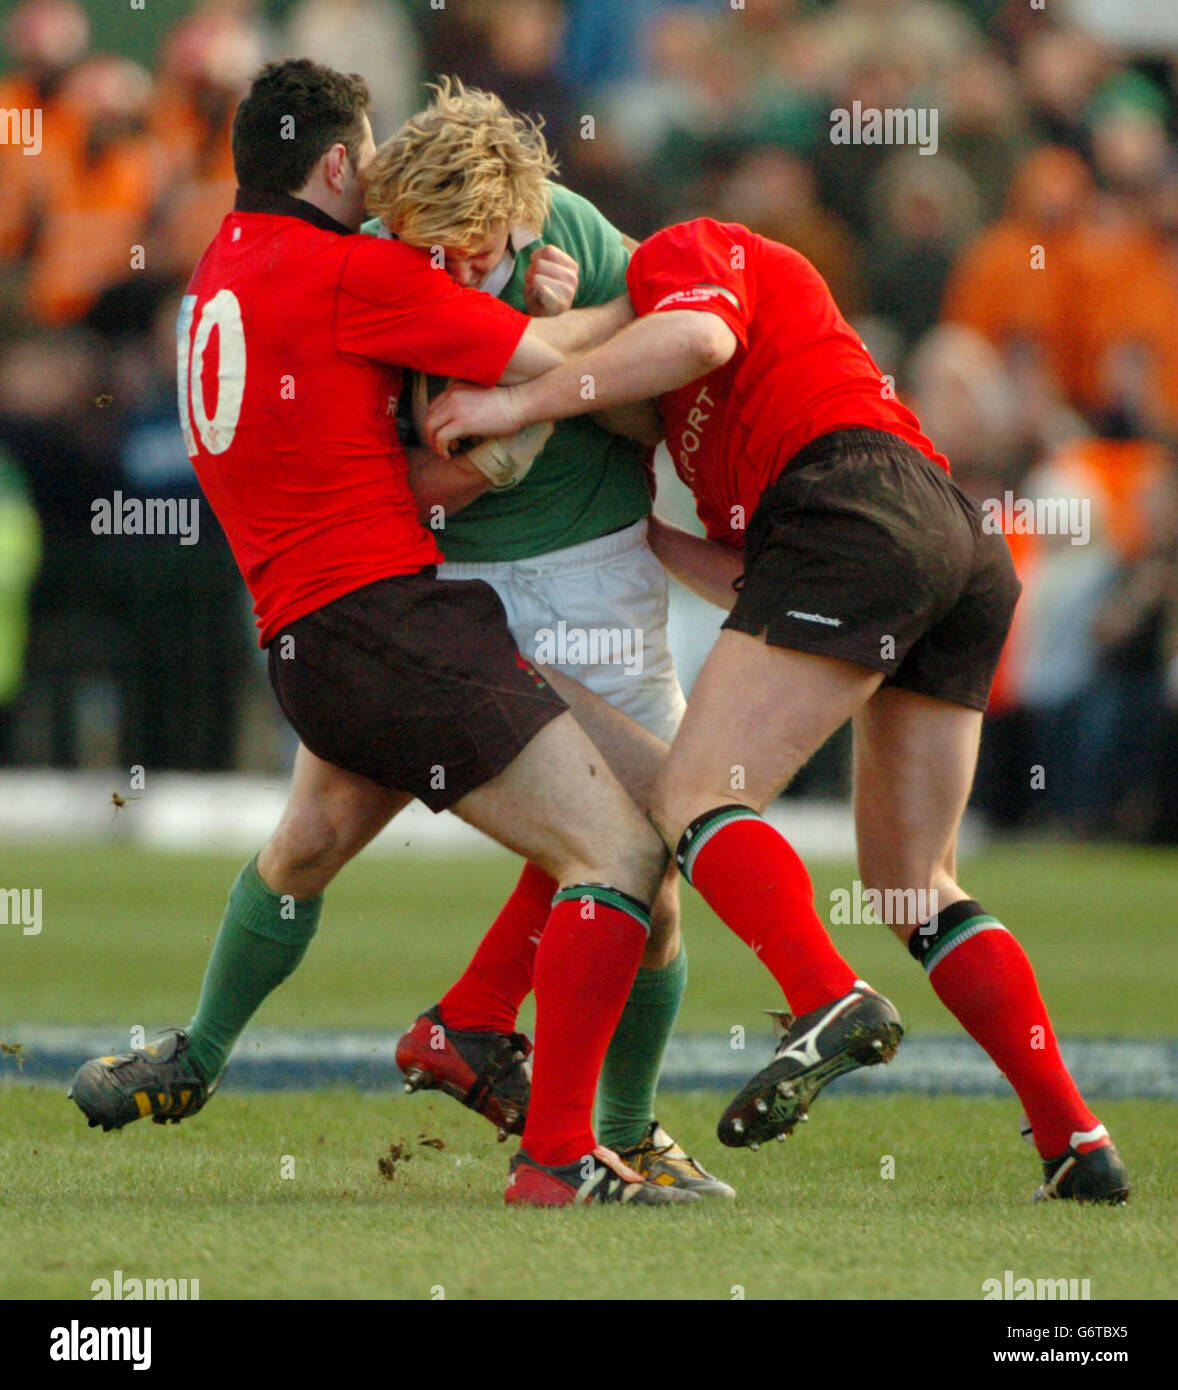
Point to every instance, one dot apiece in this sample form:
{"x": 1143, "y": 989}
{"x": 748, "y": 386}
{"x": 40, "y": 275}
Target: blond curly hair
{"x": 460, "y": 168}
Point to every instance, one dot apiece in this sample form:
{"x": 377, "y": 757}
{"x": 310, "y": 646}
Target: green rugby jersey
{"x": 586, "y": 482}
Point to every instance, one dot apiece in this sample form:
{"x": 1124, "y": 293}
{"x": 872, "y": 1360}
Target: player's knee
{"x": 681, "y": 795}
{"x": 309, "y": 840}
{"x": 665, "y": 907}
{"x": 638, "y": 864}
{"x": 670, "y": 807}
{"x": 633, "y": 862}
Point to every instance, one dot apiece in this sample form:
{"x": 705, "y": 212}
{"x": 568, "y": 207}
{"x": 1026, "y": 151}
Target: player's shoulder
{"x": 379, "y": 261}
{"x": 699, "y": 233}
{"x": 565, "y": 204}
{"x": 200, "y": 271}
{"x": 227, "y": 236}
{"x": 573, "y": 218}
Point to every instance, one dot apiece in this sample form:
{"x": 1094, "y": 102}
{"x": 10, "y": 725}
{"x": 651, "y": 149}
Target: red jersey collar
{"x": 283, "y": 205}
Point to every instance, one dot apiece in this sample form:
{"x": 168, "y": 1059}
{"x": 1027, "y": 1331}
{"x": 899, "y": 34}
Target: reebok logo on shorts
{"x": 814, "y": 618}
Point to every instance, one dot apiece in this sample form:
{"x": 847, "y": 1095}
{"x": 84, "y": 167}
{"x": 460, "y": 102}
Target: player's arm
{"x": 653, "y": 355}
{"x": 707, "y": 568}
{"x": 451, "y": 483}
{"x": 547, "y": 342}
{"x": 502, "y": 464}
{"x": 607, "y": 252}
{"x": 393, "y": 306}
{"x": 550, "y": 288}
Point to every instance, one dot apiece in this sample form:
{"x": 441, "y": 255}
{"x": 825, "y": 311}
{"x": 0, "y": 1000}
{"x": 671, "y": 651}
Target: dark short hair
{"x": 291, "y": 116}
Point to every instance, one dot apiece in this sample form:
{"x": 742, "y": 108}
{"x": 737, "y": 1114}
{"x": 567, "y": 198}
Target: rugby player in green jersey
{"x": 560, "y": 534}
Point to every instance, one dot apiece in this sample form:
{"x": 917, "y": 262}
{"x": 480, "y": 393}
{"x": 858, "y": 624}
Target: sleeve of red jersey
{"x": 395, "y": 307}
{"x": 696, "y": 265}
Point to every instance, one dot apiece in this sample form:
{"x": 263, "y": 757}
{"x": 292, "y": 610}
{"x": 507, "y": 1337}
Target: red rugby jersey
{"x": 799, "y": 371}
{"x": 291, "y": 341}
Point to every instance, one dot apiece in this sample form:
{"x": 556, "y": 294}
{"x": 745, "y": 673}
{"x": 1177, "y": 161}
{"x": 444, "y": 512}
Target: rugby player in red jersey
{"x": 861, "y": 585}
{"x": 292, "y": 339}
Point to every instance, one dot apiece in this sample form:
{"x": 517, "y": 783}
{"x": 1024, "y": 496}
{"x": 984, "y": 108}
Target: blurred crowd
{"x": 1019, "y": 286}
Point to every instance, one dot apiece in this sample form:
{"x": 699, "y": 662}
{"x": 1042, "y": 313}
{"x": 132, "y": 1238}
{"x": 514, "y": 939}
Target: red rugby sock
{"x": 982, "y": 975}
{"x": 499, "y": 977}
{"x": 754, "y": 881}
{"x": 584, "y": 970}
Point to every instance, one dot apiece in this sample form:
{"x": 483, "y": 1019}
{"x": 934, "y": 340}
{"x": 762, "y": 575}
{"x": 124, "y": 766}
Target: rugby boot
{"x": 661, "y": 1161}
{"x": 1089, "y": 1170}
{"x": 861, "y": 1029}
{"x": 488, "y": 1072}
{"x": 530, "y": 1184}
{"x": 156, "y": 1080}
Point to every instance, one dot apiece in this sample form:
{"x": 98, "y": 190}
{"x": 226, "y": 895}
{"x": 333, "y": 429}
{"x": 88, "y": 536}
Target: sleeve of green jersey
{"x": 576, "y": 226}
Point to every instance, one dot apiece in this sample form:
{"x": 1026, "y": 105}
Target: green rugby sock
{"x": 263, "y": 937}
{"x": 630, "y": 1075}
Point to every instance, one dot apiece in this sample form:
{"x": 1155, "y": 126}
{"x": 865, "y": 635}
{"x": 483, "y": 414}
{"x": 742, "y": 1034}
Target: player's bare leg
{"x": 467, "y": 1044}
{"x": 329, "y": 817}
{"x": 636, "y": 757}
{"x": 560, "y": 807}
{"x": 914, "y": 764}
{"x": 755, "y": 716}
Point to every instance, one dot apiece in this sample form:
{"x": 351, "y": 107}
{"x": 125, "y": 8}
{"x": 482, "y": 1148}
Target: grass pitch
{"x": 814, "y": 1217}
{"x": 124, "y": 941}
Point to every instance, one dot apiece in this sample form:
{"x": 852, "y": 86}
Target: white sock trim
{"x": 687, "y": 864}
{"x": 944, "y": 948}
{"x": 1087, "y": 1136}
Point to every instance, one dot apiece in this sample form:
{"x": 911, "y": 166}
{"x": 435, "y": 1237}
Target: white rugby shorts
{"x": 598, "y": 612}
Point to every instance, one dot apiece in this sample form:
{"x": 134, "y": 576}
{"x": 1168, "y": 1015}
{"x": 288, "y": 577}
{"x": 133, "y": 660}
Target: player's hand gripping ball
{"x": 463, "y": 411}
